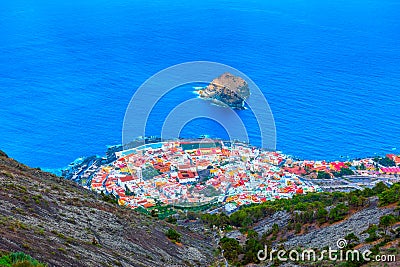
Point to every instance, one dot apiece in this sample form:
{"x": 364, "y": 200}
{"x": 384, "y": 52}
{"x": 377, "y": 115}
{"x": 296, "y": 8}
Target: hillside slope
{"x": 62, "y": 224}
{"x": 366, "y": 219}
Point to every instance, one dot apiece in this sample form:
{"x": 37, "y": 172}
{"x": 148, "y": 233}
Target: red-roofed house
{"x": 122, "y": 181}
{"x": 185, "y": 177}
{"x": 394, "y": 157}
{"x": 337, "y": 166}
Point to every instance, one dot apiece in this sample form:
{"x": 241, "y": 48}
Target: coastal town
{"x": 196, "y": 172}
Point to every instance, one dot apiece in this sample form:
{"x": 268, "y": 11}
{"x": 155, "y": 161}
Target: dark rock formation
{"x": 229, "y": 89}
{"x": 2, "y": 154}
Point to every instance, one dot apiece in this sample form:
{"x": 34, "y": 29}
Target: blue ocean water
{"x": 330, "y": 70}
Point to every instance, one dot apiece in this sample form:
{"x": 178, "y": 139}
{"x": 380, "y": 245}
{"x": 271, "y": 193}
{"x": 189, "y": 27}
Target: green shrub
{"x": 171, "y": 219}
{"x": 19, "y": 259}
{"x": 231, "y": 248}
{"x": 389, "y": 196}
{"x": 173, "y": 235}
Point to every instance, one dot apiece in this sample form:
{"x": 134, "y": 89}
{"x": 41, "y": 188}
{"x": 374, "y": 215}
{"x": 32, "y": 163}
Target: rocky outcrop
{"x": 62, "y": 224}
{"x": 281, "y": 218}
{"x": 328, "y": 236}
{"x": 2, "y": 154}
{"x": 227, "y": 89}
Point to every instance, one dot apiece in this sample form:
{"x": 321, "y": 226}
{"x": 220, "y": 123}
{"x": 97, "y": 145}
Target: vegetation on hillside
{"x": 312, "y": 208}
{"x": 173, "y": 235}
{"x": 18, "y": 259}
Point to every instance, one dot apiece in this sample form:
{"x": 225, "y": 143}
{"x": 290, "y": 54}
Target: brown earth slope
{"x": 59, "y": 223}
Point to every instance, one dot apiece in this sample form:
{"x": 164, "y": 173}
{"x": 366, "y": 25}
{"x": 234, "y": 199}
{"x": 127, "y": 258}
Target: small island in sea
{"x": 226, "y": 90}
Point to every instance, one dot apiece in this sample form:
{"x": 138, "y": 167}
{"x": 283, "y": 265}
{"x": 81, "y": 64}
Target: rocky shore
{"x": 228, "y": 89}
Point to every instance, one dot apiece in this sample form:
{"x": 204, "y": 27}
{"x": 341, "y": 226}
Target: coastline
{"x": 115, "y": 175}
